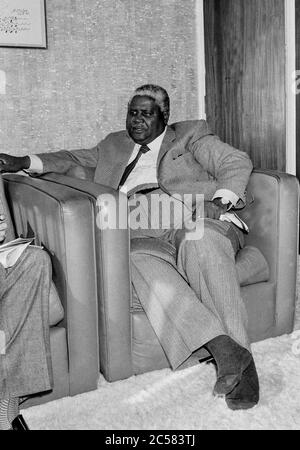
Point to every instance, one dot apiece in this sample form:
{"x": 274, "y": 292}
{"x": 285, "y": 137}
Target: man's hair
{"x": 157, "y": 93}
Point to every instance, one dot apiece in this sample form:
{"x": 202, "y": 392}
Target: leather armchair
{"x": 266, "y": 267}
{"x": 62, "y": 221}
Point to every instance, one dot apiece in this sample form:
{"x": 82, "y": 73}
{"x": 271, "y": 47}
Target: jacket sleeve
{"x": 231, "y": 168}
{"x": 63, "y": 160}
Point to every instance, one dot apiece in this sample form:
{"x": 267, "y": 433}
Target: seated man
{"x": 25, "y": 360}
{"x": 195, "y": 303}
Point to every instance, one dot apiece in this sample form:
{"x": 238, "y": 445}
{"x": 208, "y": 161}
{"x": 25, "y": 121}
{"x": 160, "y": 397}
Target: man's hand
{"x": 214, "y": 209}
{"x": 3, "y": 227}
{"x": 10, "y": 163}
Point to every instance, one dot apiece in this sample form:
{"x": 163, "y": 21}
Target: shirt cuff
{"x": 226, "y": 196}
{"x": 36, "y": 165}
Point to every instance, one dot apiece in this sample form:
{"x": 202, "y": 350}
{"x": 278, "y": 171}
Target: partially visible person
{"x": 25, "y": 360}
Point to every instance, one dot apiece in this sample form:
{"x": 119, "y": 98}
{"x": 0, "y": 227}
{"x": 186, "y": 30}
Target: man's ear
{"x": 166, "y": 117}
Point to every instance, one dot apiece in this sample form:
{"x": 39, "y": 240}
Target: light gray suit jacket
{"x": 191, "y": 161}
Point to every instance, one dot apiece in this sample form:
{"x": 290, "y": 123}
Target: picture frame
{"x": 23, "y": 24}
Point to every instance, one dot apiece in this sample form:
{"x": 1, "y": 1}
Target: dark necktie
{"x": 143, "y": 149}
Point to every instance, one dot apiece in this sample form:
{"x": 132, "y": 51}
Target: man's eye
{"x": 147, "y": 114}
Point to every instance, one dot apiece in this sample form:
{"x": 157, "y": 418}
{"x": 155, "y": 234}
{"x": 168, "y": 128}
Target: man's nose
{"x": 138, "y": 117}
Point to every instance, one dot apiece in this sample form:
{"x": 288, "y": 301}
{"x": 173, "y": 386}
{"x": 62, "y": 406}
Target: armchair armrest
{"x": 114, "y": 282}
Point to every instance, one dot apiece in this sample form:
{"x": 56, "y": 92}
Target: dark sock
{"x": 9, "y": 409}
{"x": 231, "y": 360}
{"x": 19, "y": 424}
{"x": 246, "y": 394}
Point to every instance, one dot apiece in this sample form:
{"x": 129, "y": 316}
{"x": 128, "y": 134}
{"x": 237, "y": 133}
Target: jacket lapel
{"x": 113, "y": 160}
{"x": 122, "y": 157}
{"x": 166, "y": 144}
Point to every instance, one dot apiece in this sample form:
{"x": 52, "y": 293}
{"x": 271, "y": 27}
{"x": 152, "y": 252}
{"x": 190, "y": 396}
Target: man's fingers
{"x": 3, "y": 227}
{"x": 211, "y": 210}
{"x": 3, "y": 223}
{"x": 4, "y": 165}
{"x": 3, "y": 159}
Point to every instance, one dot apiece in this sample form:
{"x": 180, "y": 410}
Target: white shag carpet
{"x": 166, "y": 400}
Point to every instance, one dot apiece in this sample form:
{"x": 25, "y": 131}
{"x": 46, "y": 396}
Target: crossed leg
{"x": 196, "y": 302}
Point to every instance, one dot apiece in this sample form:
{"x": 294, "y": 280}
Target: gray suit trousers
{"x": 195, "y": 297}
{"x": 25, "y": 361}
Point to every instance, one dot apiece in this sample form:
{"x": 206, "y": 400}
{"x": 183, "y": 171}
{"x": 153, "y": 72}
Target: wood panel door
{"x": 245, "y": 76}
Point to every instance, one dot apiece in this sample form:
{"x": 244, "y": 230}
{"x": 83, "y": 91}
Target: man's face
{"x": 145, "y": 120}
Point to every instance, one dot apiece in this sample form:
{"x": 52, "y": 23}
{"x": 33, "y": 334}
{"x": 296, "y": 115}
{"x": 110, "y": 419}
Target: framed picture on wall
{"x": 23, "y": 23}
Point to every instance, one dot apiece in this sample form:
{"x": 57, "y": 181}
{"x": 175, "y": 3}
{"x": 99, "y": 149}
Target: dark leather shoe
{"x": 19, "y": 424}
{"x": 246, "y": 394}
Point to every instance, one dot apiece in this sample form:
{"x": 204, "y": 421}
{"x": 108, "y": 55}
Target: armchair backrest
{"x": 5, "y": 210}
{"x": 273, "y": 217}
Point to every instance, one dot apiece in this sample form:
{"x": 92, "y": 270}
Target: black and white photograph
{"x": 149, "y": 218}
